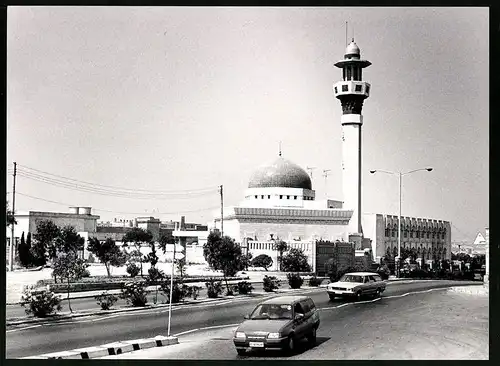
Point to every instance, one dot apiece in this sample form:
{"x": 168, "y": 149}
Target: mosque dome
{"x": 352, "y": 49}
{"x": 280, "y": 173}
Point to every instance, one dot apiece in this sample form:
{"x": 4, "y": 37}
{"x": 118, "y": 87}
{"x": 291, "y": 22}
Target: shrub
{"x": 270, "y": 283}
{"x": 40, "y": 303}
{"x": 178, "y": 291}
{"x": 91, "y": 258}
{"x": 135, "y": 293}
{"x": 384, "y": 272}
{"x": 85, "y": 273}
{"x": 294, "y": 280}
{"x": 154, "y": 275}
{"x": 244, "y": 287}
{"x": 262, "y": 260}
{"x": 106, "y": 300}
{"x": 193, "y": 291}
{"x": 133, "y": 269}
{"x": 315, "y": 281}
{"x": 214, "y": 288}
{"x": 295, "y": 261}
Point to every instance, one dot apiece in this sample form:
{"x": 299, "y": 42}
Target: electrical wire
{"x": 107, "y": 192}
{"x": 120, "y": 212}
{"x": 32, "y": 170}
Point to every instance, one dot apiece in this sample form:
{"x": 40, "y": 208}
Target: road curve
{"x": 92, "y": 331}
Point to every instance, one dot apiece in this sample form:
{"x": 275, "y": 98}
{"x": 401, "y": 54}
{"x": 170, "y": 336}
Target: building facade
{"x": 430, "y": 238}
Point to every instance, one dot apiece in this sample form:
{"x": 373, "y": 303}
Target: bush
{"x": 193, "y": 291}
{"x": 315, "y": 281}
{"x": 384, "y": 272}
{"x": 295, "y": 261}
{"x": 133, "y": 269}
{"x": 91, "y": 258}
{"x": 271, "y": 283}
{"x": 244, "y": 287}
{"x": 40, "y": 303}
{"x": 262, "y": 260}
{"x": 178, "y": 292}
{"x": 85, "y": 273}
{"x": 214, "y": 288}
{"x": 106, "y": 300}
{"x": 135, "y": 293}
{"x": 294, "y": 280}
{"x": 155, "y": 275}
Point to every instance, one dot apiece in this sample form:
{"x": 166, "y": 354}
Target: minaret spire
{"x": 280, "y": 148}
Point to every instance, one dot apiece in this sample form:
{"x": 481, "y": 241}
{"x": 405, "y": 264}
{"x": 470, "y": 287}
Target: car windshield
{"x": 272, "y": 311}
{"x": 351, "y": 278}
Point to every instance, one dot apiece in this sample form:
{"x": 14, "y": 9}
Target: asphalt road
{"x": 93, "y": 331}
{"x": 421, "y": 326}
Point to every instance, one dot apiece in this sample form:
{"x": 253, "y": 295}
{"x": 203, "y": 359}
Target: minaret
{"x": 351, "y": 92}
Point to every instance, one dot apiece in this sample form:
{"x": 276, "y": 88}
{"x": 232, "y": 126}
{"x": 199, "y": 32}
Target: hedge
{"x": 83, "y": 285}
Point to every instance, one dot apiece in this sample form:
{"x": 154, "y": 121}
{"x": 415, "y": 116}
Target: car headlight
{"x": 240, "y": 335}
{"x": 273, "y": 335}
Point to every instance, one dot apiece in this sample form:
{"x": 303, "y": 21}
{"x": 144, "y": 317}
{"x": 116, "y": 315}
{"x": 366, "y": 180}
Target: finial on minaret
{"x": 280, "y": 148}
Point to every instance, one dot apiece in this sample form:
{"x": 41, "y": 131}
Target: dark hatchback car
{"x": 278, "y": 323}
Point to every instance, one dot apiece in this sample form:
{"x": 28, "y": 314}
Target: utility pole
{"x": 11, "y": 262}
{"x": 325, "y": 174}
{"x": 222, "y": 210}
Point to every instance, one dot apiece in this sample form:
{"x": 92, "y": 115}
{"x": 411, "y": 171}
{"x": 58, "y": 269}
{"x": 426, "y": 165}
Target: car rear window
{"x": 311, "y": 304}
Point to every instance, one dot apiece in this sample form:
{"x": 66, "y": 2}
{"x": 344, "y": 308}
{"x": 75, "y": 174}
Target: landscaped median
{"x": 115, "y": 348}
{"x": 76, "y": 315}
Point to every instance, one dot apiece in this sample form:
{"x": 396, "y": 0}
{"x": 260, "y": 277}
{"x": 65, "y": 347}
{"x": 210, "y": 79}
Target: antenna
{"x": 310, "y": 169}
{"x": 325, "y": 174}
{"x": 346, "y": 33}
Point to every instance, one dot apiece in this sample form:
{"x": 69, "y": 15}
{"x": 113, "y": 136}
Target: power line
{"x": 96, "y": 185}
{"x": 107, "y": 192}
{"x": 125, "y": 213}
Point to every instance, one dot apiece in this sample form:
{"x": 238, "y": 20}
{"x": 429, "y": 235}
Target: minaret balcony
{"x": 361, "y": 88}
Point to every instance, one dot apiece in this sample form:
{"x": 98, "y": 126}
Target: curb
{"x": 471, "y": 290}
{"x": 110, "y": 349}
{"x": 106, "y": 312}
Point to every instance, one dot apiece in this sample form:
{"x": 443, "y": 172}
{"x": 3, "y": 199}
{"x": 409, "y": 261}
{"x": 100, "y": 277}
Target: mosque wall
{"x": 291, "y": 231}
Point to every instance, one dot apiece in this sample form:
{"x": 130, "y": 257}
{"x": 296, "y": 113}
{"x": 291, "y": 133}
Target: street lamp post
{"x": 400, "y": 177}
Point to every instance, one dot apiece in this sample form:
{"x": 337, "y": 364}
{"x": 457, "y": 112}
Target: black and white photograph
{"x": 247, "y": 183}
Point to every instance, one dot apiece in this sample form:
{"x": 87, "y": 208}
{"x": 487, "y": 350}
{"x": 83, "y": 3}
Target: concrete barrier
{"x": 91, "y": 352}
{"x": 165, "y": 341}
{"x": 65, "y": 355}
{"x": 142, "y": 343}
{"x": 117, "y": 348}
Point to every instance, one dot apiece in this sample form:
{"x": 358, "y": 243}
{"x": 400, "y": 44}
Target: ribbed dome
{"x": 352, "y": 49}
{"x": 280, "y": 173}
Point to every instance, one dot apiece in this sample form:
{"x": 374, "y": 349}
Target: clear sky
{"x": 186, "y": 99}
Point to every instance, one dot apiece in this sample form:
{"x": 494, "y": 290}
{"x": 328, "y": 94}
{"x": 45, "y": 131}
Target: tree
{"x": 223, "y": 254}
{"x": 69, "y": 267}
{"x": 46, "y": 233}
{"x": 281, "y": 246}
{"x": 107, "y": 252}
{"x": 137, "y": 237}
{"x": 68, "y": 240}
{"x": 152, "y": 257}
{"x": 262, "y": 260}
{"x": 24, "y": 253}
{"x": 295, "y": 261}
{"x": 164, "y": 240}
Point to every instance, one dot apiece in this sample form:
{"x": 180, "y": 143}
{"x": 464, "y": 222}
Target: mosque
{"x": 280, "y": 202}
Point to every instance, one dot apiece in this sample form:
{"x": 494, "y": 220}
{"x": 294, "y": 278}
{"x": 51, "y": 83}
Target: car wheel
{"x": 241, "y": 351}
{"x": 290, "y": 345}
{"x": 332, "y": 297}
{"x": 312, "y": 337}
{"x": 378, "y": 293}
{"x": 358, "y": 296}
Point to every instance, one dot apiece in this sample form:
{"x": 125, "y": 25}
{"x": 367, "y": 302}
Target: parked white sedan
{"x": 356, "y": 284}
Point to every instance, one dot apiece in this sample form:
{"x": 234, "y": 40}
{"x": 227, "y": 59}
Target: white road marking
{"x": 18, "y": 329}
